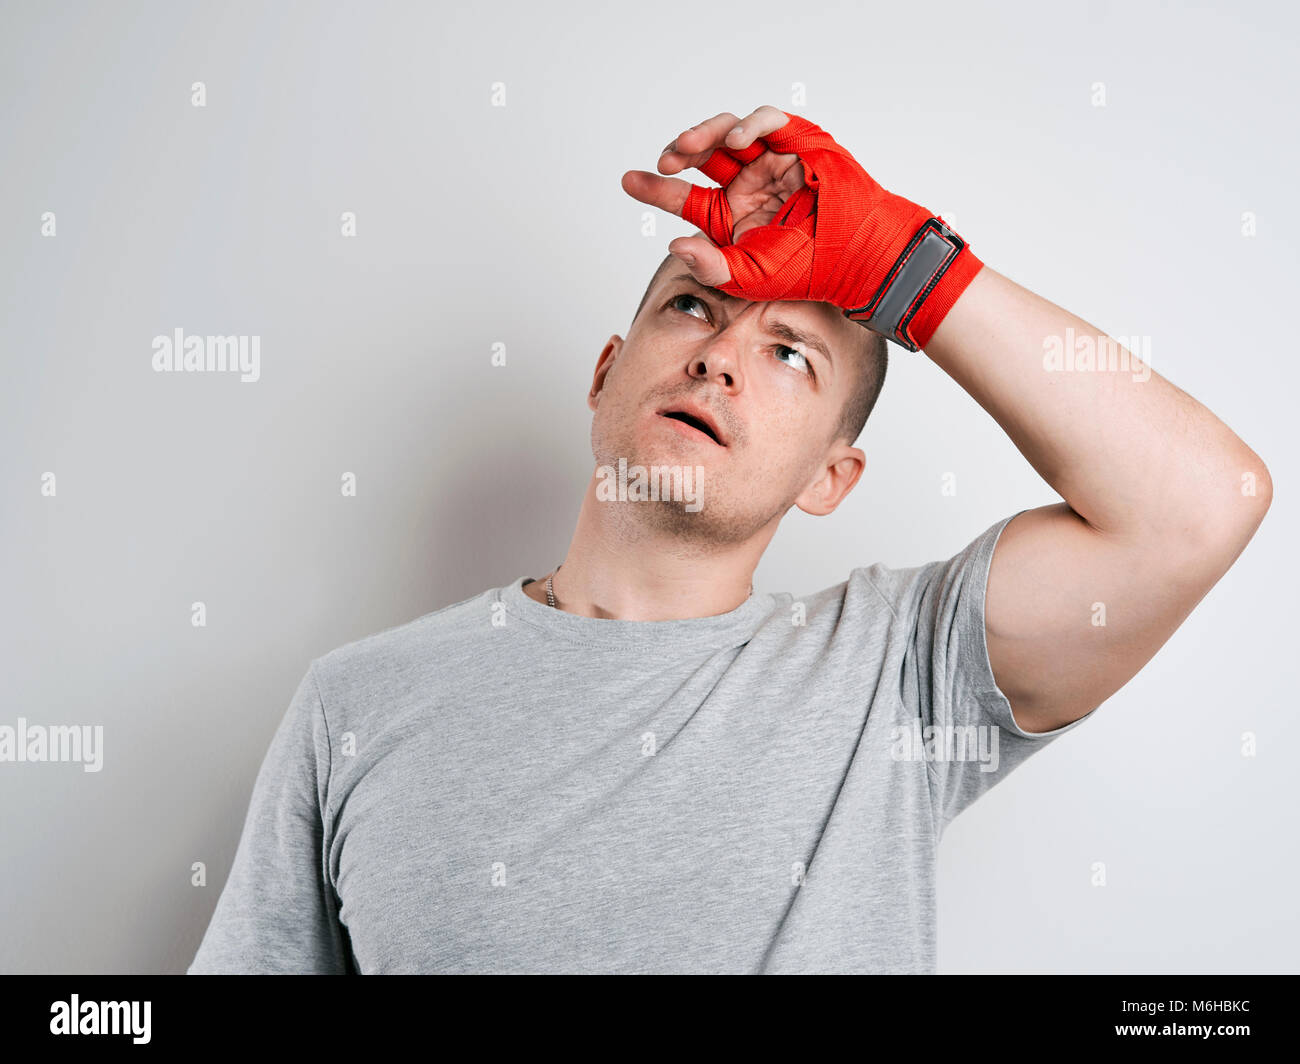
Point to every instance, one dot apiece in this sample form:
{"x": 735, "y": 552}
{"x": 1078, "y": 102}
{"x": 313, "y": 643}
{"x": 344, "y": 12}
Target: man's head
{"x": 786, "y": 385}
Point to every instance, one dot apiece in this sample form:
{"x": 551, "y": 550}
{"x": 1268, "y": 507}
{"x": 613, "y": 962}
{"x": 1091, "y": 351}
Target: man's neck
{"x": 618, "y": 566}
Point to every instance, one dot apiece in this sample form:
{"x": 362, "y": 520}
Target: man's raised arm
{"x": 1160, "y": 499}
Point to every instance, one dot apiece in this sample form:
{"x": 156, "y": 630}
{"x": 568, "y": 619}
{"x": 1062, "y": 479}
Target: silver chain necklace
{"x": 550, "y": 590}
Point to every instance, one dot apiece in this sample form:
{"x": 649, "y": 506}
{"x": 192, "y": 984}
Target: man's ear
{"x": 844, "y": 465}
{"x": 603, "y": 366}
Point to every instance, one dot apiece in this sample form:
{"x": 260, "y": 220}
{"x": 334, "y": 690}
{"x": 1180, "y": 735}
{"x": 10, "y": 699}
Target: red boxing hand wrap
{"x": 886, "y": 262}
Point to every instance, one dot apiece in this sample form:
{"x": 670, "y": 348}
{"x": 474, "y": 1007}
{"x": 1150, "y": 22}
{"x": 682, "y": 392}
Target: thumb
{"x": 703, "y": 258}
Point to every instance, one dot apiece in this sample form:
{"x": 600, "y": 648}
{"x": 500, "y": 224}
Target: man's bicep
{"x": 277, "y": 912}
{"x": 1072, "y": 614}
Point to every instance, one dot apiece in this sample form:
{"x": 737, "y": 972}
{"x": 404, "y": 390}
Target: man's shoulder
{"x": 406, "y": 648}
{"x": 874, "y": 589}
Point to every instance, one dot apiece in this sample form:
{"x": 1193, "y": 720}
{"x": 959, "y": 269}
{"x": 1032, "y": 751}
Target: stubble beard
{"x": 719, "y": 522}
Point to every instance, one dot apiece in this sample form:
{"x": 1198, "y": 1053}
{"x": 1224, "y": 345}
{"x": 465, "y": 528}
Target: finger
{"x": 702, "y": 147}
{"x": 708, "y": 210}
{"x": 666, "y": 193}
{"x": 709, "y": 265}
{"x": 724, "y": 164}
{"x": 721, "y": 166}
{"x": 675, "y": 158}
{"x": 671, "y": 150}
{"x": 705, "y": 208}
{"x": 759, "y": 123}
{"x": 708, "y": 135}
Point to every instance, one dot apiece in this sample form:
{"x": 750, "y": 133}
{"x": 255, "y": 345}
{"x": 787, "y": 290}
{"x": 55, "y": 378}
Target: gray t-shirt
{"x": 500, "y": 786}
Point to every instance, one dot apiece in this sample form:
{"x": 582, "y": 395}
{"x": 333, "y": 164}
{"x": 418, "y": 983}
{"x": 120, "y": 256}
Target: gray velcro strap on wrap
{"x": 918, "y": 269}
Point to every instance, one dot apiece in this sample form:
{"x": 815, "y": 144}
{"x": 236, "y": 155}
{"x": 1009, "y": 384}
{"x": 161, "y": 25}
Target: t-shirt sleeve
{"x": 975, "y": 741}
{"x": 278, "y": 912}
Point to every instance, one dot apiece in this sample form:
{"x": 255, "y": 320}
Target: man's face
{"x": 772, "y": 378}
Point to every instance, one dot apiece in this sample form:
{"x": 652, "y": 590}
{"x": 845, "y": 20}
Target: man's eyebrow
{"x": 715, "y": 292}
{"x": 783, "y": 329}
{"x": 791, "y": 335}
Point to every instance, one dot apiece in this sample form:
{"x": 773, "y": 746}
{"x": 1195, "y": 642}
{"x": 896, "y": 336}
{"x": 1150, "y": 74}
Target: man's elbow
{"x": 1255, "y": 487}
{"x": 1228, "y": 519}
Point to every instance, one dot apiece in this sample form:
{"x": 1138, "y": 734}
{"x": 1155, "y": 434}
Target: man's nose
{"x": 721, "y": 362}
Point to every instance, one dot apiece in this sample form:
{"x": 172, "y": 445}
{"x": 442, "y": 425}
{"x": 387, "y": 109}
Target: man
{"x": 639, "y": 763}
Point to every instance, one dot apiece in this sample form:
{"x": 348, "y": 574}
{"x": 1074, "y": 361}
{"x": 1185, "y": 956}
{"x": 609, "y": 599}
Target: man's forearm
{"x": 1132, "y": 454}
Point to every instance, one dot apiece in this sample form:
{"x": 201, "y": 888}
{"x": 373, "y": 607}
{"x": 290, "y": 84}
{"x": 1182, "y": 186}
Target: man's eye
{"x": 687, "y": 296}
{"x": 803, "y": 365}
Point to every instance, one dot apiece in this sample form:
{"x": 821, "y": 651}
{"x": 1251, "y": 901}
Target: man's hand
{"x": 760, "y": 184}
{"x": 797, "y": 217}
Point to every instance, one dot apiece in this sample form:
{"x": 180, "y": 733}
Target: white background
{"x": 480, "y": 225}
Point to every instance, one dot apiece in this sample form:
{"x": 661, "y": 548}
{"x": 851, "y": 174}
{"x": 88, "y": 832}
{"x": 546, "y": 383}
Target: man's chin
{"x": 671, "y": 453}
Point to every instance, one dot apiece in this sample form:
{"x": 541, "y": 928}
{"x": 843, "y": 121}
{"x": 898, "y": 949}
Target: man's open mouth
{"x": 698, "y": 421}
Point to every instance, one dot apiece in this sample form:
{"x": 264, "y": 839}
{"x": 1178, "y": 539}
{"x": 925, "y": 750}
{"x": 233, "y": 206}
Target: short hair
{"x": 654, "y": 279}
{"x": 868, "y": 380}
{"x": 872, "y": 363}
